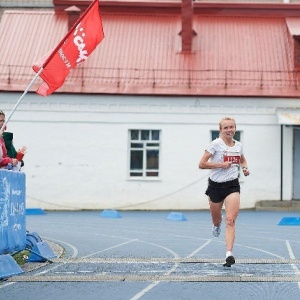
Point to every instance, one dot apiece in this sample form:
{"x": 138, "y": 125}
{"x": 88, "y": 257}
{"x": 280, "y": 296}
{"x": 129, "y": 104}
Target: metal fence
{"x": 165, "y": 77}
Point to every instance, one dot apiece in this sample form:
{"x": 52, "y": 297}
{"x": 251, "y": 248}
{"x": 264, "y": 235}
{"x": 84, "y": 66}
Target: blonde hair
{"x": 226, "y": 119}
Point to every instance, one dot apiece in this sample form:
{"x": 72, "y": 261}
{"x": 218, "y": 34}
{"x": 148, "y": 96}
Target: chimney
{"x": 73, "y": 13}
{"x": 187, "y": 32}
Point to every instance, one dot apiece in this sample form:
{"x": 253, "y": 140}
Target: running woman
{"x": 224, "y": 156}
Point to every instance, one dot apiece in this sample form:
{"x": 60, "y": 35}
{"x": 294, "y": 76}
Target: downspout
{"x": 281, "y": 162}
{"x": 187, "y": 26}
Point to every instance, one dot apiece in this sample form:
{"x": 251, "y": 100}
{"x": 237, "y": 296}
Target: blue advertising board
{"x": 12, "y": 211}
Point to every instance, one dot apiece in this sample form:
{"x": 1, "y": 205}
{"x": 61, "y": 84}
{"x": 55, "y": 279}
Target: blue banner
{"x": 12, "y": 211}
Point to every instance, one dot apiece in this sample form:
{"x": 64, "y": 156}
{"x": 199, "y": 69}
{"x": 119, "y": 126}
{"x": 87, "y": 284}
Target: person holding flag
{"x": 14, "y": 160}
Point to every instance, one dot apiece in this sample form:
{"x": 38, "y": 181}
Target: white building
{"x": 79, "y": 149}
{"x": 82, "y": 147}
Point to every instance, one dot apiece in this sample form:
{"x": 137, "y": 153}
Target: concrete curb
{"x": 277, "y": 205}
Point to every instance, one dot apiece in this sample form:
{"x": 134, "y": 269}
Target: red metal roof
{"x": 141, "y": 54}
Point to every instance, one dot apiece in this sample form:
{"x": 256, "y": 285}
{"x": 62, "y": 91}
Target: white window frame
{"x": 146, "y": 146}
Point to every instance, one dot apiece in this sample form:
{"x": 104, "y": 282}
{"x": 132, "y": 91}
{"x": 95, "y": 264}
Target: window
{"x": 144, "y": 153}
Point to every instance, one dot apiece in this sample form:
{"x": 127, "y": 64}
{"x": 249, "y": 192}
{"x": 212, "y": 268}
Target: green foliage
{"x": 21, "y": 257}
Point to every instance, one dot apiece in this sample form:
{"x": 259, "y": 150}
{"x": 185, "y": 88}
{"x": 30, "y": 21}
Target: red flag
{"x": 74, "y": 49}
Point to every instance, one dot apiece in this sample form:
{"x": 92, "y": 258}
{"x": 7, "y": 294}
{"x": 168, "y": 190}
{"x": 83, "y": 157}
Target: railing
{"x": 165, "y": 77}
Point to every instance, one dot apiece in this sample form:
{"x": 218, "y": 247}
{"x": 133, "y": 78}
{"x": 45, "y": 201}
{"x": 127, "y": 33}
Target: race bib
{"x": 232, "y": 157}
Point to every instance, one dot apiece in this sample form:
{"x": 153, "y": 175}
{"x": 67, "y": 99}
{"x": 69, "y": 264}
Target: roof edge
{"x": 263, "y": 9}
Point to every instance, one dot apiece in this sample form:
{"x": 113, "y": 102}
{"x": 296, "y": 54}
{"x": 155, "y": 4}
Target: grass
{"x": 21, "y": 257}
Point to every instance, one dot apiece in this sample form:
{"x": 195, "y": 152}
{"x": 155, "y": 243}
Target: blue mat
{"x": 9, "y": 267}
{"x": 110, "y": 213}
{"x": 35, "y": 211}
{"x": 290, "y": 221}
{"x": 176, "y": 216}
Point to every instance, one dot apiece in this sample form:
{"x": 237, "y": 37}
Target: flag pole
{"x": 46, "y": 62}
{"x": 20, "y": 99}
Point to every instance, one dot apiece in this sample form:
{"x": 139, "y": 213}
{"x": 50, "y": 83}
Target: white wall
{"x": 78, "y": 149}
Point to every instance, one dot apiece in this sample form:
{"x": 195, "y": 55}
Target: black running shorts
{"x": 218, "y": 191}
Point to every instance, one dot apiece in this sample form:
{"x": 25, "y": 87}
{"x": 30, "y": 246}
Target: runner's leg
{"x": 216, "y": 212}
{"x": 232, "y": 206}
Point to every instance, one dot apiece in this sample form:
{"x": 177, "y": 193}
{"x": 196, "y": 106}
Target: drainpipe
{"x": 187, "y": 26}
{"x": 281, "y": 161}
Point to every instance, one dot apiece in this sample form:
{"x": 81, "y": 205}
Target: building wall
{"x": 78, "y": 149}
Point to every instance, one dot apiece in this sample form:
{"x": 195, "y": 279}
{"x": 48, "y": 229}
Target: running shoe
{"x": 229, "y": 261}
{"x": 216, "y": 230}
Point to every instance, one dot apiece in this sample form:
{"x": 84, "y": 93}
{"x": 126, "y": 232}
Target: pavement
{"x": 145, "y": 255}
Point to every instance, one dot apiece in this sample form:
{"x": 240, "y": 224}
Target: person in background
{"x": 8, "y": 154}
{"x": 11, "y": 151}
{"x": 224, "y": 156}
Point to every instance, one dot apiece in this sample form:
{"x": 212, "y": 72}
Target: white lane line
{"x": 74, "y": 249}
{"x": 76, "y": 252}
{"x": 6, "y": 284}
{"x": 155, "y": 283}
{"x": 145, "y": 290}
{"x": 200, "y": 248}
{"x": 113, "y": 247}
{"x": 259, "y": 250}
{"x": 291, "y": 254}
{"x": 74, "y": 255}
